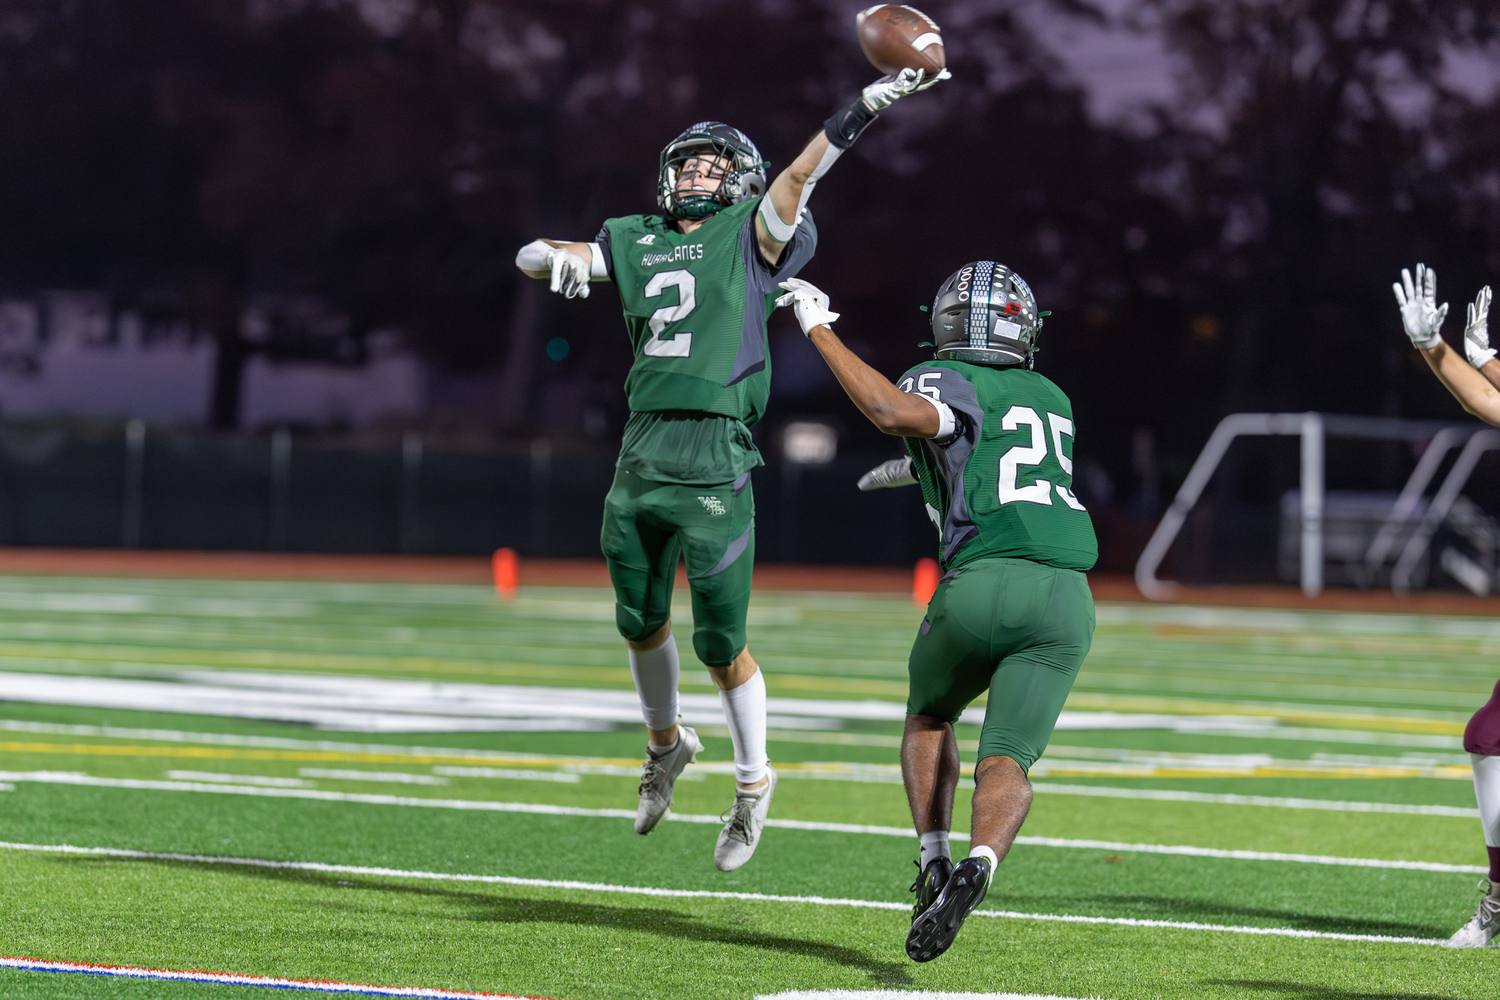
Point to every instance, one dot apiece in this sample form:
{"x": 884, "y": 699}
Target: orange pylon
{"x": 924, "y": 582}
{"x": 507, "y": 573}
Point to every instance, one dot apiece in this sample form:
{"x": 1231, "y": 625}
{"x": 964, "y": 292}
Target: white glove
{"x": 896, "y": 472}
{"x": 1476, "y": 333}
{"x": 1420, "y": 313}
{"x": 809, "y": 302}
{"x": 889, "y": 89}
{"x": 570, "y": 273}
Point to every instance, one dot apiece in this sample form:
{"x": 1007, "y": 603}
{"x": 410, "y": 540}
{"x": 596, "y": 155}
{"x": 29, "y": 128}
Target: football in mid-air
{"x": 896, "y": 37}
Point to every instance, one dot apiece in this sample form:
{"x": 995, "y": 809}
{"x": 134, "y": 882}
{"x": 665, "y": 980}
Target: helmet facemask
{"x": 986, "y": 314}
{"x": 744, "y": 171}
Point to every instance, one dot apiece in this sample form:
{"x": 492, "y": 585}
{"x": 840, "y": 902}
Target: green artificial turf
{"x": 1363, "y": 688}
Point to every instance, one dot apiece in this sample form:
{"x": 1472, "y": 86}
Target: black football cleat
{"x": 933, "y": 930}
{"x": 929, "y": 883}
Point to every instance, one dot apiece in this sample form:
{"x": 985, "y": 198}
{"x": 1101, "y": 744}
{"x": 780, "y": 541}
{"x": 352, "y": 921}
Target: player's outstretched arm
{"x": 569, "y": 266}
{"x": 1477, "y": 338}
{"x": 1472, "y": 390}
{"x": 890, "y": 409}
{"x": 789, "y": 192}
{"x": 1422, "y": 319}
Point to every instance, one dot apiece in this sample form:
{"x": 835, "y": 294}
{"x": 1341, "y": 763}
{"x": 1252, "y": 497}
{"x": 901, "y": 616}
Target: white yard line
{"x": 72, "y": 778}
{"x": 632, "y": 890}
{"x": 1172, "y": 795}
{"x": 903, "y": 995}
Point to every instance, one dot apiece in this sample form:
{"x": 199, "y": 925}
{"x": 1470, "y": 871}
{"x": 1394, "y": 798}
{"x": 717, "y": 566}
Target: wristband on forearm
{"x": 843, "y": 128}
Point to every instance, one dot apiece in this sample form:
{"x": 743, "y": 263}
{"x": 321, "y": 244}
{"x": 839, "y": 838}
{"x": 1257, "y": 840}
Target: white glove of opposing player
{"x": 889, "y": 89}
{"x": 1420, "y": 313}
{"x": 809, "y": 302}
{"x": 570, "y": 273}
{"x": 896, "y": 472}
{"x": 1476, "y": 333}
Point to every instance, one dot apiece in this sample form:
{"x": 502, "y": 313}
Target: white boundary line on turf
{"x": 1181, "y": 850}
{"x": 632, "y": 890}
{"x": 235, "y": 979}
{"x": 1173, "y": 795}
{"x": 904, "y": 995}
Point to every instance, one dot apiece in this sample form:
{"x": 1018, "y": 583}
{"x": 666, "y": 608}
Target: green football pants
{"x": 647, "y": 525}
{"x": 1010, "y": 626}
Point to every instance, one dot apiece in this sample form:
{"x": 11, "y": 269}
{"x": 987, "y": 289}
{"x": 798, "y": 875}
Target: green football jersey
{"x": 695, "y": 308}
{"x": 1002, "y": 485}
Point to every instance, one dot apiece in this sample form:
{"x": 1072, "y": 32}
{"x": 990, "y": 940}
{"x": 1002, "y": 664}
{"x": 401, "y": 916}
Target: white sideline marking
{"x": 512, "y": 773}
{"x": 74, "y": 778}
{"x": 260, "y": 781}
{"x": 902, "y": 995}
{"x": 383, "y": 777}
{"x": 633, "y": 890}
{"x": 382, "y": 705}
{"x": 234, "y": 979}
{"x": 1171, "y": 795}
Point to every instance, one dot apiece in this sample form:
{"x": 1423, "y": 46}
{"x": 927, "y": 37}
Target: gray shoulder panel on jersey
{"x": 952, "y": 459}
{"x": 760, "y": 280}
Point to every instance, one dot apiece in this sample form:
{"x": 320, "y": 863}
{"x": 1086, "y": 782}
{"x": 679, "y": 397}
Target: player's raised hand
{"x": 889, "y": 89}
{"x": 1420, "y": 314}
{"x": 570, "y": 273}
{"x": 896, "y": 472}
{"x": 809, "y": 302}
{"x": 1476, "y": 333}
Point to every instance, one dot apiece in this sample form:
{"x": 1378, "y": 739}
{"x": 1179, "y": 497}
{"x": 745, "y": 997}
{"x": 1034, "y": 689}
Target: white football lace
{"x": 738, "y": 816}
{"x": 653, "y": 770}
{"x": 1489, "y": 911}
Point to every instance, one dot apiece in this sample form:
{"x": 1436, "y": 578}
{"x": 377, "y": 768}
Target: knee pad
{"x": 637, "y": 626}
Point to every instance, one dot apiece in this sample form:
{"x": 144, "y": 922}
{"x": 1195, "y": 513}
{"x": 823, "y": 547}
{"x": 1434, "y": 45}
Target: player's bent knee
{"x": 1005, "y": 763}
{"x": 635, "y": 626}
{"x": 1019, "y": 752}
{"x": 718, "y": 648}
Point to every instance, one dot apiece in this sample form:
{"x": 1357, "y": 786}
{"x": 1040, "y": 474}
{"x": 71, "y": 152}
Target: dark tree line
{"x": 1232, "y": 250}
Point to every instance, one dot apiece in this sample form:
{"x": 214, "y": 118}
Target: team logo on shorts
{"x": 713, "y": 505}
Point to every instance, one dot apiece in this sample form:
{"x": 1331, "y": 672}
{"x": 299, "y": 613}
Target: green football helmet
{"x": 744, "y": 177}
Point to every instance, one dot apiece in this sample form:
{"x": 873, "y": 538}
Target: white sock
{"x": 984, "y": 852}
{"x": 745, "y": 711}
{"x": 1487, "y": 794}
{"x": 655, "y": 672}
{"x": 934, "y": 845}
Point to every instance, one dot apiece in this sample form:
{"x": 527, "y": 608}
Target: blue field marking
{"x": 235, "y": 979}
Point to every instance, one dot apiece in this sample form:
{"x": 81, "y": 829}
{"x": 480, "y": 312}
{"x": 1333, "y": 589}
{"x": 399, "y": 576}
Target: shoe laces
{"x": 1489, "y": 910}
{"x": 918, "y": 883}
{"x": 738, "y": 816}
{"x": 651, "y": 772}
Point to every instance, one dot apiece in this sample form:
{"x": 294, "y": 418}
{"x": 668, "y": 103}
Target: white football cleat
{"x": 741, "y": 835}
{"x": 1483, "y": 925}
{"x": 896, "y": 472}
{"x": 658, "y": 774}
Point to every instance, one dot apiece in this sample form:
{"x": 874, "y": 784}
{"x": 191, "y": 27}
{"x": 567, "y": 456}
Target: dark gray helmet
{"x": 745, "y": 177}
{"x": 985, "y": 313}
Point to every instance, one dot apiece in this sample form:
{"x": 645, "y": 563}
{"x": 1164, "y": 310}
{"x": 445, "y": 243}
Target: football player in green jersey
{"x": 990, "y": 442}
{"x": 697, "y": 283}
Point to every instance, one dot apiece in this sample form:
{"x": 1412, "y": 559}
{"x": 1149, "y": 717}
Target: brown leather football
{"x": 896, "y": 37}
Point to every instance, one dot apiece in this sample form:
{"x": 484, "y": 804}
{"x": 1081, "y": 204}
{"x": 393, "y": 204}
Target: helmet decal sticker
{"x": 979, "y": 302}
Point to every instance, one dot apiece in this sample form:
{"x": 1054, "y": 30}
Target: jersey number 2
{"x": 687, "y": 300}
{"x": 1039, "y": 491}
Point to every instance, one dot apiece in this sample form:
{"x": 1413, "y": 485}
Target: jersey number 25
{"x": 1040, "y": 490}
{"x": 687, "y": 300}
